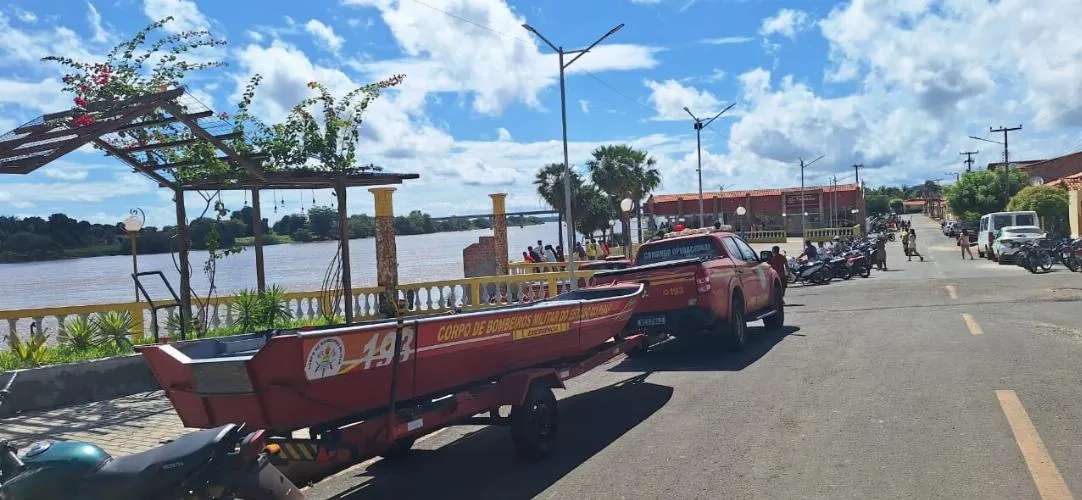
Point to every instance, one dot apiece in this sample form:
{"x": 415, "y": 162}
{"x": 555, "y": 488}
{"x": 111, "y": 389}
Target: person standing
{"x": 592, "y": 250}
{"x": 881, "y": 253}
{"x": 550, "y": 254}
{"x": 913, "y": 245}
{"x": 964, "y": 242}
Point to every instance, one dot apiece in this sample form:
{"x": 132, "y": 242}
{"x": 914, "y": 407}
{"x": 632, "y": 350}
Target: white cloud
{"x": 364, "y": 24}
{"x": 81, "y": 191}
{"x": 497, "y": 65}
{"x": 324, "y": 34}
{"x": 670, "y": 98}
{"x": 25, "y": 15}
{"x": 727, "y": 40}
{"x": 93, "y": 17}
{"x": 186, "y": 14}
{"x": 584, "y": 105}
{"x": 66, "y": 174}
{"x": 21, "y": 47}
{"x": 503, "y": 134}
{"x": 44, "y": 96}
{"x": 787, "y": 22}
{"x": 255, "y": 36}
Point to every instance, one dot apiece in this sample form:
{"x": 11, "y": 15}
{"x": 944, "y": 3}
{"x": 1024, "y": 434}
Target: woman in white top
{"x": 913, "y": 245}
{"x": 550, "y": 254}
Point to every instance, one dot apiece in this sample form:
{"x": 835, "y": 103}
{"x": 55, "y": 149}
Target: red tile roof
{"x": 665, "y": 198}
{"x": 1049, "y": 170}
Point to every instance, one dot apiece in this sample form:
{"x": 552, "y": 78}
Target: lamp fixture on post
{"x": 740, "y": 212}
{"x": 132, "y": 225}
{"x": 626, "y": 205}
{"x": 699, "y": 126}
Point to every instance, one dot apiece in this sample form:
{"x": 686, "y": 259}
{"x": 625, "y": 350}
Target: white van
{"x": 991, "y": 223}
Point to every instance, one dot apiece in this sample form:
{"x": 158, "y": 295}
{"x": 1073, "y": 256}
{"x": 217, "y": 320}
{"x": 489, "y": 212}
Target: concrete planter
{"x": 57, "y": 386}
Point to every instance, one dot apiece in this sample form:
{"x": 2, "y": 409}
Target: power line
{"x": 1006, "y": 157}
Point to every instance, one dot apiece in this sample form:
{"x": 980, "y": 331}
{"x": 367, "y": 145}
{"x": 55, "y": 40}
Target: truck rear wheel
{"x": 534, "y": 425}
{"x": 735, "y": 329}
{"x": 777, "y": 320}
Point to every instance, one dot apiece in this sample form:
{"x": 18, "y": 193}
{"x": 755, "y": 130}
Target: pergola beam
{"x": 252, "y": 169}
{"x": 164, "y": 121}
{"x": 192, "y": 163}
{"x": 177, "y": 144}
{"x": 133, "y": 163}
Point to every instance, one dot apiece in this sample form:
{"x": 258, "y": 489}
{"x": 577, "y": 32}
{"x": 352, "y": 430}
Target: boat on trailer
{"x": 338, "y": 381}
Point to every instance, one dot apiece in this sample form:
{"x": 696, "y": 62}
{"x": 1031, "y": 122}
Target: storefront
{"x": 763, "y": 209}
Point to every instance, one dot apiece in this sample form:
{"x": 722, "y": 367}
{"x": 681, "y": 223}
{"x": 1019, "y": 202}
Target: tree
{"x": 930, "y": 189}
{"x": 322, "y": 222}
{"x": 361, "y": 226}
{"x": 624, "y": 172}
{"x": 981, "y": 192}
{"x": 550, "y": 186}
{"x": 877, "y": 203}
{"x": 594, "y": 210}
{"x": 896, "y": 204}
{"x": 290, "y": 223}
{"x": 1050, "y": 202}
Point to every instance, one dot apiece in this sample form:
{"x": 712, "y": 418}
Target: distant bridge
{"x": 489, "y": 216}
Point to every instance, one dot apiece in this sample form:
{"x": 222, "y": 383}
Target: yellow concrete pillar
{"x": 1074, "y": 212}
{"x": 386, "y": 250}
{"x": 499, "y": 230}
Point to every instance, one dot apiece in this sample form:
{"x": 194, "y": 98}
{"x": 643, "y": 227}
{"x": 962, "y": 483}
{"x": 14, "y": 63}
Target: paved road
{"x": 936, "y": 379}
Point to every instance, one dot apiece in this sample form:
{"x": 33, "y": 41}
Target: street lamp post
{"x": 626, "y": 205}
{"x": 573, "y": 283}
{"x": 740, "y": 212}
{"x": 699, "y": 126}
{"x": 132, "y": 225}
{"x": 803, "y": 212}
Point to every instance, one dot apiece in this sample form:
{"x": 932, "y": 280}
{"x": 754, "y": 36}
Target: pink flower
{"x": 79, "y": 101}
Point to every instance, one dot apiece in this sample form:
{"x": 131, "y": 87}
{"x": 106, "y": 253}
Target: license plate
{"x": 655, "y": 321}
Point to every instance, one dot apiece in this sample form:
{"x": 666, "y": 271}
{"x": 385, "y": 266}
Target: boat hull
{"x": 310, "y": 378}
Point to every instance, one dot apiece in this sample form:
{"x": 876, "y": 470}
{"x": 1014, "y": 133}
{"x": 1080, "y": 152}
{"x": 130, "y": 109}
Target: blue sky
{"x": 896, "y": 86}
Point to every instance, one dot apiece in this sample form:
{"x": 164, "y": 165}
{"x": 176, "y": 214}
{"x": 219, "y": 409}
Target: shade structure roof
{"x": 186, "y": 121}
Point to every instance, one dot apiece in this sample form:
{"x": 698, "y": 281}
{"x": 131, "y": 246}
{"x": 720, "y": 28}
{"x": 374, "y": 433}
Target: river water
{"x": 296, "y": 267}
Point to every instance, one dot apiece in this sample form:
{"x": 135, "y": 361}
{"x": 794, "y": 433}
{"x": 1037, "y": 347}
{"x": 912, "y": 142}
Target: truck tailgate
{"x": 669, "y": 285}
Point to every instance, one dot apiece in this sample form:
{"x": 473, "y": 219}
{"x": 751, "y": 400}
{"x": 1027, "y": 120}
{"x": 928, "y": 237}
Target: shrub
{"x": 30, "y": 352}
{"x": 80, "y": 334}
{"x": 114, "y": 327}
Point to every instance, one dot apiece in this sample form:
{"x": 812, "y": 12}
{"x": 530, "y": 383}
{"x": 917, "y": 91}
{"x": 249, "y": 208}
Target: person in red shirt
{"x": 527, "y": 258}
{"x": 779, "y": 263}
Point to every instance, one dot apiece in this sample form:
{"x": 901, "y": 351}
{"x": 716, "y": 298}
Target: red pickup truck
{"x": 700, "y": 280}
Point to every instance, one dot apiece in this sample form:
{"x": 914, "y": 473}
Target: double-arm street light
{"x": 699, "y": 126}
{"x": 569, "y": 251}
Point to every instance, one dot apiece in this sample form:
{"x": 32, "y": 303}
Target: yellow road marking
{"x": 1050, "y": 483}
{"x": 971, "y": 323}
{"x": 952, "y": 292}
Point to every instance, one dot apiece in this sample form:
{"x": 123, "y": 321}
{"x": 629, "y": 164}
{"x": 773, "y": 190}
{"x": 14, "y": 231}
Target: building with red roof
{"x": 766, "y": 209}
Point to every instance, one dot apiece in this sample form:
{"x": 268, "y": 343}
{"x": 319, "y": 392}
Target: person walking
{"x": 964, "y": 242}
{"x": 905, "y": 242}
{"x": 913, "y": 245}
{"x": 881, "y": 253}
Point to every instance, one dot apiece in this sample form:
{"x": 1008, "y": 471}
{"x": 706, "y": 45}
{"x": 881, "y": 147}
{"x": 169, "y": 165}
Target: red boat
{"x": 325, "y": 378}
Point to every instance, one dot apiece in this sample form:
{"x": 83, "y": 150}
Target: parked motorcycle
{"x": 860, "y": 261}
{"x": 1032, "y": 256}
{"x": 1069, "y": 253}
{"x": 818, "y": 273}
{"x": 222, "y": 463}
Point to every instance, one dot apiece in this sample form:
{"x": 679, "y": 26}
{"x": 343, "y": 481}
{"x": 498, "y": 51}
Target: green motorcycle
{"x": 221, "y": 463}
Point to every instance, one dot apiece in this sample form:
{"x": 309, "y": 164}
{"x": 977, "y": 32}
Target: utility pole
{"x": 856, "y": 173}
{"x": 803, "y": 212}
{"x": 834, "y": 204}
{"x": 969, "y": 159}
{"x": 1006, "y": 158}
{"x": 569, "y": 251}
{"x": 699, "y": 126}
{"x": 956, "y": 175}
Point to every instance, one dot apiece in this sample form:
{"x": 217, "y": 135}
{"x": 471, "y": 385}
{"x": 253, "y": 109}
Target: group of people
{"x": 909, "y": 242}
{"x": 592, "y": 250}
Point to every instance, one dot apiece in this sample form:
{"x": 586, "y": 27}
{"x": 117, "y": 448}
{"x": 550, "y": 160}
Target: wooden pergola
{"x": 51, "y": 136}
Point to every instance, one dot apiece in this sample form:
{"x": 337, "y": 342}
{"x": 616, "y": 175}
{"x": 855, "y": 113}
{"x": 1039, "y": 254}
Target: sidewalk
{"x": 121, "y": 426}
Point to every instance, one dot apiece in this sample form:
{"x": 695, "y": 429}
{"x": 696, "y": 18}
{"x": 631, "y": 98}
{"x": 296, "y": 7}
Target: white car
{"x": 1007, "y": 237}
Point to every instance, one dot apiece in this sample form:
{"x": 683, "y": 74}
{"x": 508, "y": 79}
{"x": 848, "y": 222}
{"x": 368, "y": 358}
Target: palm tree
{"x": 550, "y": 186}
{"x": 621, "y": 171}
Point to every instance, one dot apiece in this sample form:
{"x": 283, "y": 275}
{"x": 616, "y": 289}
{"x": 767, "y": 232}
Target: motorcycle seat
{"x": 142, "y": 475}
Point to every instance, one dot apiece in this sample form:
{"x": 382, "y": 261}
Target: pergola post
{"x": 386, "y": 251}
{"x": 182, "y": 249}
{"x": 343, "y": 245}
{"x": 499, "y": 230}
{"x": 257, "y": 234}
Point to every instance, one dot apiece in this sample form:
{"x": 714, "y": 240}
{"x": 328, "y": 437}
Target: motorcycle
{"x": 1069, "y": 253}
{"x": 860, "y": 261}
{"x": 818, "y": 273}
{"x": 841, "y": 267}
{"x": 1032, "y": 256}
{"x": 222, "y": 463}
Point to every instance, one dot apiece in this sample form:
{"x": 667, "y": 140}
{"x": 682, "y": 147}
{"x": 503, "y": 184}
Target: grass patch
{"x": 268, "y": 239}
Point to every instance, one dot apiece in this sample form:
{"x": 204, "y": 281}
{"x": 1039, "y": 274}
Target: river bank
{"x": 294, "y": 266}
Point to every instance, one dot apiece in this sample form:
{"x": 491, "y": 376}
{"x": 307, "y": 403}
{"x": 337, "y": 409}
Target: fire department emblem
{"x": 325, "y": 358}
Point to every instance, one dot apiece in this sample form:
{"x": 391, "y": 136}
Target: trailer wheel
{"x": 400, "y": 449}
{"x": 534, "y": 425}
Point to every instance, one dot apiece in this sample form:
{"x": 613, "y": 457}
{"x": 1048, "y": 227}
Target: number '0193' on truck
{"x": 702, "y": 281}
